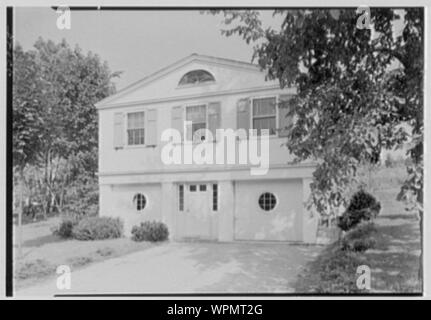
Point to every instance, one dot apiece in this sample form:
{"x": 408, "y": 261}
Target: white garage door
{"x": 269, "y": 210}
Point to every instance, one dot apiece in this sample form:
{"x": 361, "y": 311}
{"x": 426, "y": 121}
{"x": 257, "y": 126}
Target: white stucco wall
{"x": 117, "y": 201}
{"x": 131, "y": 169}
{"x": 133, "y": 158}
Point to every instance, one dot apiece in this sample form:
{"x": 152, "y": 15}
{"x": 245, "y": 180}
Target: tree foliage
{"x": 55, "y": 122}
{"x": 358, "y": 90}
{"x": 27, "y": 99}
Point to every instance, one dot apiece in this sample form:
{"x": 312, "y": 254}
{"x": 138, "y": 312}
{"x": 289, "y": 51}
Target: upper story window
{"x": 265, "y": 115}
{"x": 198, "y": 116}
{"x": 136, "y": 128}
{"x": 196, "y": 77}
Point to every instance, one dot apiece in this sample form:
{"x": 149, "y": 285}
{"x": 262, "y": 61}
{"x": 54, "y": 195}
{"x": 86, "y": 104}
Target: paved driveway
{"x": 191, "y": 268}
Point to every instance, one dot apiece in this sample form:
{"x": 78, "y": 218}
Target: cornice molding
{"x": 192, "y": 96}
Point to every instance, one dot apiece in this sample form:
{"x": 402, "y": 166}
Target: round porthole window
{"x": 267, "y": 201}
{"x": 139, "y": 201}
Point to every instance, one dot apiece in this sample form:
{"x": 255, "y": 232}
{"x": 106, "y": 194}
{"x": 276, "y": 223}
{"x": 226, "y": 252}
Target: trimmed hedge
{"x": 98, "y": 228}
{"x": 150, "y": 231}
{"x": 362, "y": 207}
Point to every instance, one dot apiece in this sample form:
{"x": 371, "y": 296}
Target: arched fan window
{"x": 196, "y": 77}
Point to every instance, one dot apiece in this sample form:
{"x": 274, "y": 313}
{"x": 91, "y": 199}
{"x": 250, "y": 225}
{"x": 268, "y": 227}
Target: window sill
{"x": 271, "y": 137}
{"x": 182, "y": 143}
{"x": 188, "y": 86}
{"x": 139, "y": 146}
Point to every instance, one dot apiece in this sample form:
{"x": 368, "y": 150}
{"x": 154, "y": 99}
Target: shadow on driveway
{"x": 192, "y": 267}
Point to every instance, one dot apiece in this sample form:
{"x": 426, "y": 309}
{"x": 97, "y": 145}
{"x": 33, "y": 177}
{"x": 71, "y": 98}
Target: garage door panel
{"x": 282, "y": 223}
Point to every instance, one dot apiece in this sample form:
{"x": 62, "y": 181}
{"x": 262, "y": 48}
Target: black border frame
{"x": 9, "y": 164}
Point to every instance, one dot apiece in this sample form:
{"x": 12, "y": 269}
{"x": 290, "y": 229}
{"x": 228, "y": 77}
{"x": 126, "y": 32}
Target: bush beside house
{"x": 150, "y": 231}
{"x": 90, "y": 228}
{"x": 98, "y": 228}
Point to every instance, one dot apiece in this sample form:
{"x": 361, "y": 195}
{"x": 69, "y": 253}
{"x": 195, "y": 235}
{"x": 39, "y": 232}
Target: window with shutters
{"x": 264, "y": 115}
{"x": 136, "y": 128}
{"x": 198, "y": 116}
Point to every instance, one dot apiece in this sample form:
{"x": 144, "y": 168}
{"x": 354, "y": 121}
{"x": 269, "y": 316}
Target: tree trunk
{"x": 20, "y": 210}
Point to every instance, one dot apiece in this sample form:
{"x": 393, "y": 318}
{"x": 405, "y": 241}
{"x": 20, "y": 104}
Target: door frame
{"x": 181, "y": 214}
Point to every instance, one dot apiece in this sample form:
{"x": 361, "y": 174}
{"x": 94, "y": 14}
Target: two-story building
{"x": 219, "y": 201}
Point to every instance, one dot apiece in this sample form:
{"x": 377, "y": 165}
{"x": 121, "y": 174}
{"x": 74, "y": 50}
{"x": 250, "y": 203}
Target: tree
{"x": 55, "y": 131}
{"x": 74, "y": 82}
{"x": 27, "y": 123}
{"x": 358, "y": 90}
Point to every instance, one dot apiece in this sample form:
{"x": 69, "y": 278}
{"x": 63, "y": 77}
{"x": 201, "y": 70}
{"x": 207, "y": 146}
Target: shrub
{"x": 362, "y": 207}
{"x": 98, "y": 228}
{"x": 150, "y": 231}
{"x": 360, "y": 239}
{"x": 65, "y": 228}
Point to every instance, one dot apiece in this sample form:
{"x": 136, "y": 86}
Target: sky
{"x": 137, "y": 43}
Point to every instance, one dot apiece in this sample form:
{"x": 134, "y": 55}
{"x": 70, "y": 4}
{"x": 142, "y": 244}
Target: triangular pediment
{"x": 229, "y": 76}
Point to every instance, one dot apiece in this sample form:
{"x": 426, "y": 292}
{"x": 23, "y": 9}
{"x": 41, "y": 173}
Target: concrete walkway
{"x": 190, "y": 268}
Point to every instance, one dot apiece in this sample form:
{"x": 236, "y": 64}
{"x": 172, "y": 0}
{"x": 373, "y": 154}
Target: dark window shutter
{"x": 177, "y": 119}
{"x": 151, "y": 127}
{"x": 214, "y": 117}
{"x": 243, "y": 114}
{"x": 285, "y": 119}
{"x": 118, "y": 130}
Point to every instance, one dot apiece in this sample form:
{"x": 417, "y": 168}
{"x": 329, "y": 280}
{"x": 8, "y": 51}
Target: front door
{"x": 196, "y": 220}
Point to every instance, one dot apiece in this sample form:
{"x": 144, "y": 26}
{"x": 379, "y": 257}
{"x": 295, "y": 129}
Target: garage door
{"x": 269, "y": 210}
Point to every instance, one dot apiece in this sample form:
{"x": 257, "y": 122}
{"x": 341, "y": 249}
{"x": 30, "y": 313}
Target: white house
{"x": 220, "y": 201}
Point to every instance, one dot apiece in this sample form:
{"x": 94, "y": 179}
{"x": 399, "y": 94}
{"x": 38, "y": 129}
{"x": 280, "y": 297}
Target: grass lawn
{"x": 395, "y": 259}
{"x": 42, "y": 252}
